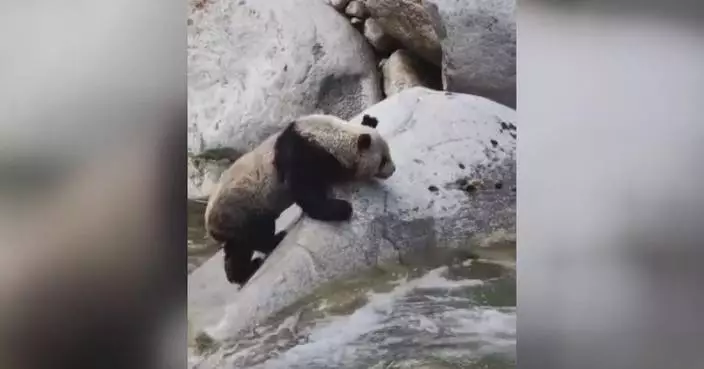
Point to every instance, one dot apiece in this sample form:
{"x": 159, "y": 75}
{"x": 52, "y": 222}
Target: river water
{"x": 454, "y": 316}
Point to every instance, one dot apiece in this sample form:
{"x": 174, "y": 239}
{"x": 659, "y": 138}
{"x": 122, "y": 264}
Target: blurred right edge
{"x": 610, "y": 207}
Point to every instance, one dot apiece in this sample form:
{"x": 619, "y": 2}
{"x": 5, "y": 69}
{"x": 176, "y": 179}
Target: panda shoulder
{"x": 322, "y": 129}
{"x": 315, "y": 122}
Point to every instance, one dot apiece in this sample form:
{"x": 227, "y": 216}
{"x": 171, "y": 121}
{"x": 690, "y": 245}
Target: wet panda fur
{"x": 296, "y": 165}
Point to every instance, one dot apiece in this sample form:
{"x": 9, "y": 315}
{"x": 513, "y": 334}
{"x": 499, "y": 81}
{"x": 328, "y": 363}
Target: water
{"x": 457, "y": 316}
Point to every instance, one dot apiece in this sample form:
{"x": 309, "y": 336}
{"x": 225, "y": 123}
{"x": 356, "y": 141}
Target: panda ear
{"x": 364, "y": 141}
{"x": 369, "y": 121}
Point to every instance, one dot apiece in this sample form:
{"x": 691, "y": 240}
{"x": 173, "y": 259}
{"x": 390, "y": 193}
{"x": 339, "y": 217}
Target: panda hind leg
{"x": 263, "y": 237}
{"x": 241, "y": 267}
{"x": 238, "y": 263}
{"x": 269, "y": 246}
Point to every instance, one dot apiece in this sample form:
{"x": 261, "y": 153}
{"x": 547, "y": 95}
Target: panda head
{"x": 374, "y": 157}
{"x": 358, "y": 147}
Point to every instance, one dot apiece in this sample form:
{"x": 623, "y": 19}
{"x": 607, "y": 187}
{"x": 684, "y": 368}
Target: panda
{"x": 297, "y": 165}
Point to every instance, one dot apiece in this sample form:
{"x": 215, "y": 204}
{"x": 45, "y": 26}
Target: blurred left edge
{"x": 92, "y": 189}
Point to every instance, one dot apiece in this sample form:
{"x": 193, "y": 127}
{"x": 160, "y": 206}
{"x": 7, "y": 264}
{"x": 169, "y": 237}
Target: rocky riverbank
{"x": 255, "y": 65}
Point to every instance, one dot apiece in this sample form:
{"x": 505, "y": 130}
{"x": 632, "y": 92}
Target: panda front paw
{"x": 328, "y": 210}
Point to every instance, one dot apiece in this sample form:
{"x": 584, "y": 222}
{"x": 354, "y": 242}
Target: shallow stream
{"x": 457, "y": 316}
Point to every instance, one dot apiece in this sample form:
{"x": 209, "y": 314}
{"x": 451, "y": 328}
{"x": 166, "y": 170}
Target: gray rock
{"x": 356, "y": 9}
{"x": 478, "y": 41}
{"x": 403, "y": 70}
{"x": 255, "y": 65}
{"x": 203, "y": 175}
{"x": 381, "y": 63}
{"x": 339, "y": 5}
{"x": 374, "y": 33}
{"x": 441, "y": 143}
{"x": 357, "y": 23}
{"x": 408, "y": 22}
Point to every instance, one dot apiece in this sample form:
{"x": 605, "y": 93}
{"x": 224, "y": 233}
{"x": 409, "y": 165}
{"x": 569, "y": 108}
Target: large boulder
{"x": 254, "y": 65}
{"x": 204, "y": 173}
{"x": 473, "y": 40}
{"x": 376, "y": 36}
{"x": 478, "y": 42}
{"x": 454, "y": 184}
{"x": 408, "y": 22}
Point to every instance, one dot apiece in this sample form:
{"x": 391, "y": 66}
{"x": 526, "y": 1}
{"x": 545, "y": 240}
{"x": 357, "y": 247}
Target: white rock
{"x": 437, "y": 139}
{"x": 478, "y": 41}
{"x": 203, "y": 175}
{"x": 339, "y": 5}
{"x": 255, "y": 65}
{"x": 408, "y": 22}
{"x": 403, "y": 70}
{"x": 356, "y": 9}
{"x": 376, "y": 36}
